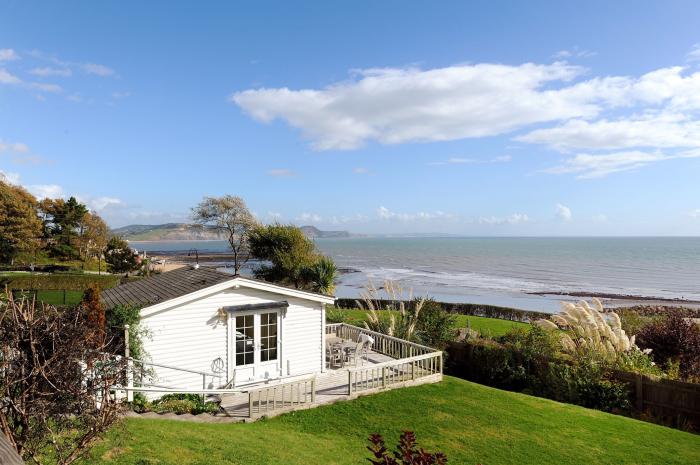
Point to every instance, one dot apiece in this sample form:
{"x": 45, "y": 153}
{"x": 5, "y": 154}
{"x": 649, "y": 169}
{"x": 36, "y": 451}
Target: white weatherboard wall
{"x": 191, "y": 336}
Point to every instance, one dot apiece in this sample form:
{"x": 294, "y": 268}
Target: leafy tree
{"x": 288, "y": 251}
{"x": 230, "y": 216}
{"x": 92, "y": 236}
{"x": 62, "y": 220}
{"x": 55, "y": 399}
{"x": 120, "y": 257}
{"x": 20, "y": 227}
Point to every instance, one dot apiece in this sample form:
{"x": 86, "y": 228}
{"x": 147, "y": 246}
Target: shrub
{"x": 406, "y": 453}
{"x": 183, "y": 403}
{"x": 435, "y": 326}
{"x": 56, "y": 380}
{"x": 531, "y": 362}
{"x": 673, "y": 339}
{"x": 587, "y": 383}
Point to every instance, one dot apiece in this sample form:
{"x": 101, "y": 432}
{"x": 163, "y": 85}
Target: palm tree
{"x": 322, "y": 274}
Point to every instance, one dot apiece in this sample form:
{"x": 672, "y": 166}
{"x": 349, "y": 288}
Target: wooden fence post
{"x": 129, "y": 366}
{"x": 639, "y": 390}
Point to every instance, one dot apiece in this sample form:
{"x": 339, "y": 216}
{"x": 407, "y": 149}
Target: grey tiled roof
{"x": 162, "y": 287}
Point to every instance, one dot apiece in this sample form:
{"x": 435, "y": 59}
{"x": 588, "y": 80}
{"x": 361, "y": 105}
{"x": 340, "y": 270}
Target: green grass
{"x": 490, "y": 327}
{"x": 469, "y": 422}
{"x": 58, "y": 297}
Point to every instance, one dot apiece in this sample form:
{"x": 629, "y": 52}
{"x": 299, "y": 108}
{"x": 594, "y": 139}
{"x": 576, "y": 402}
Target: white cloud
{"x": 98, "y": 70}
{"x": 575, "y": 52}
{"x": 394, "y": 106}
{"x": 8, "y": 54}
{"x": 100, "y": 203}
{"x": 588, "y": 166}
{"x": 7, "y": 78}
{"x": 515, "y": 218}
{"x": 694, "y": 53}
{"x": 120, "y": 95}
{"x": 599, "y": 218}
{"x": 360, "y": 170}
{"x": 49, "y": 71}
{"x": 695, "y": 213}
{"x": 46, "y": 191}
{"x": 385, "y": 214}
{"x": 462, "y": 161}
{"x": 563, "y": 212}
{"x": 11, "y": 178}
{"x": 310, "y": 218}
{"x": 657, "y": 131}
{"x": 16, "y": 147}
{"x": 43, "y": 87}
{"x": 281, "y": 173}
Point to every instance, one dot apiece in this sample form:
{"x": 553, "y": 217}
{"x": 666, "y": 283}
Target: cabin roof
{"x": 170, "y": 285}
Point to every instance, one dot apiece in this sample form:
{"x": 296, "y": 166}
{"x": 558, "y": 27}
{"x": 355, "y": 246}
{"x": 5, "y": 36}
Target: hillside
{"x": 193, "y": 232}
{"x": 167, "y": 232}
{"x": 470, "y": 423}
{"x": 313, "y": 232}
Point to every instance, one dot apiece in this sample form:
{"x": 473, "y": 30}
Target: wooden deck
{"x": 378, "y": 372}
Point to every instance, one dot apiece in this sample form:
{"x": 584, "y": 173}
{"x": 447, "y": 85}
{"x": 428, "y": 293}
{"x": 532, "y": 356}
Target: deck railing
{"x": 269, "y": 399}
{"x": 383, "y": 344}
{"x": 389, "y": 374}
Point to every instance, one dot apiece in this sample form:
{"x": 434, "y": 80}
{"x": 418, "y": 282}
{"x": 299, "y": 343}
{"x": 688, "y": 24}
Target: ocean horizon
{"x": 520, "y": 272}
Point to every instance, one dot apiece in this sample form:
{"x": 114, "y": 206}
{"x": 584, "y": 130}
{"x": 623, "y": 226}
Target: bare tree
{"x": 56, "y": 382}
{"x": 230, "y": 216}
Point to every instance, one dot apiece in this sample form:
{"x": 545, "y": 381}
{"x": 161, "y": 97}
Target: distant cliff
{"x": 193, "y": 232}
{"x": 167, "y": 232}
{"x": 313, "y": 232}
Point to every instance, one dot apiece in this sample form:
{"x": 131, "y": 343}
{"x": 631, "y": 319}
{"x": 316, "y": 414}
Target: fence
{"x": 672, "y": 402}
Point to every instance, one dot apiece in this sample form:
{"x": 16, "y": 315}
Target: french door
{"x": 255, "y": 349}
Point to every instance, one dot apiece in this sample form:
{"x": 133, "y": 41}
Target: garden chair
{"x": 367, "y": 343}
{"x": 355, "y": 353}
{"x": 334, "y": 355}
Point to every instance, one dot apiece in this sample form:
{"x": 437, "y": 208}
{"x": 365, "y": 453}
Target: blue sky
{"x": 477, "y": 118}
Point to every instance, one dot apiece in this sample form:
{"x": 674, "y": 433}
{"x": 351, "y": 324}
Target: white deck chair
{"x": 367, "y": 343}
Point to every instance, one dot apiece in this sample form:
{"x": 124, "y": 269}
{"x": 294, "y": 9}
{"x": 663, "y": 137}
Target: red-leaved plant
{"x": 406, "y": 453}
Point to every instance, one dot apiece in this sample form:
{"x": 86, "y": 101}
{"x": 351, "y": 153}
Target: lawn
{"x": 469, "y": 422}
{"x": 488, "y": 327}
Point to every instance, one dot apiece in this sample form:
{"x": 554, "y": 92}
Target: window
{"x": 245, "y": 340}
{"x": 268, "y": 337}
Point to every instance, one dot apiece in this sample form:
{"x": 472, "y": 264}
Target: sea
{"x": 520, "y": 272}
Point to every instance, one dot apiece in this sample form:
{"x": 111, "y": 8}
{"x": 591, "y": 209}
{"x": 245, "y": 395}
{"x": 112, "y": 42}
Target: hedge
{"x": 490, "y": 311}
{"x": 71, "y": 282}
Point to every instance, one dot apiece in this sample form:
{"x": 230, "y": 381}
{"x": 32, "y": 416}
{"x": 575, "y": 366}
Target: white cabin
{"x": 208, "y": 329}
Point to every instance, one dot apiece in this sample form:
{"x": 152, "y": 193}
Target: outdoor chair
{"x": 355, "y": 353}
{"x": 334, "y": 355}
{"x": 367, "y": 343}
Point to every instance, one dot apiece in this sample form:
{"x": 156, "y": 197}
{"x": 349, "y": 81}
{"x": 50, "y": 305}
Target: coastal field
{"x": 487, "y": 327}
{"x": 469, "y": 422}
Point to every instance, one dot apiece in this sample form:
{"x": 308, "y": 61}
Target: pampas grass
{"x": 588, "y": 329}
{"x": 402, "y": 321}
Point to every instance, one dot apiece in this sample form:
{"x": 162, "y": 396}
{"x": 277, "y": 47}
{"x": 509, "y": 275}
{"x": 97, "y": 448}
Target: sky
{"x": 471, "y": 118}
